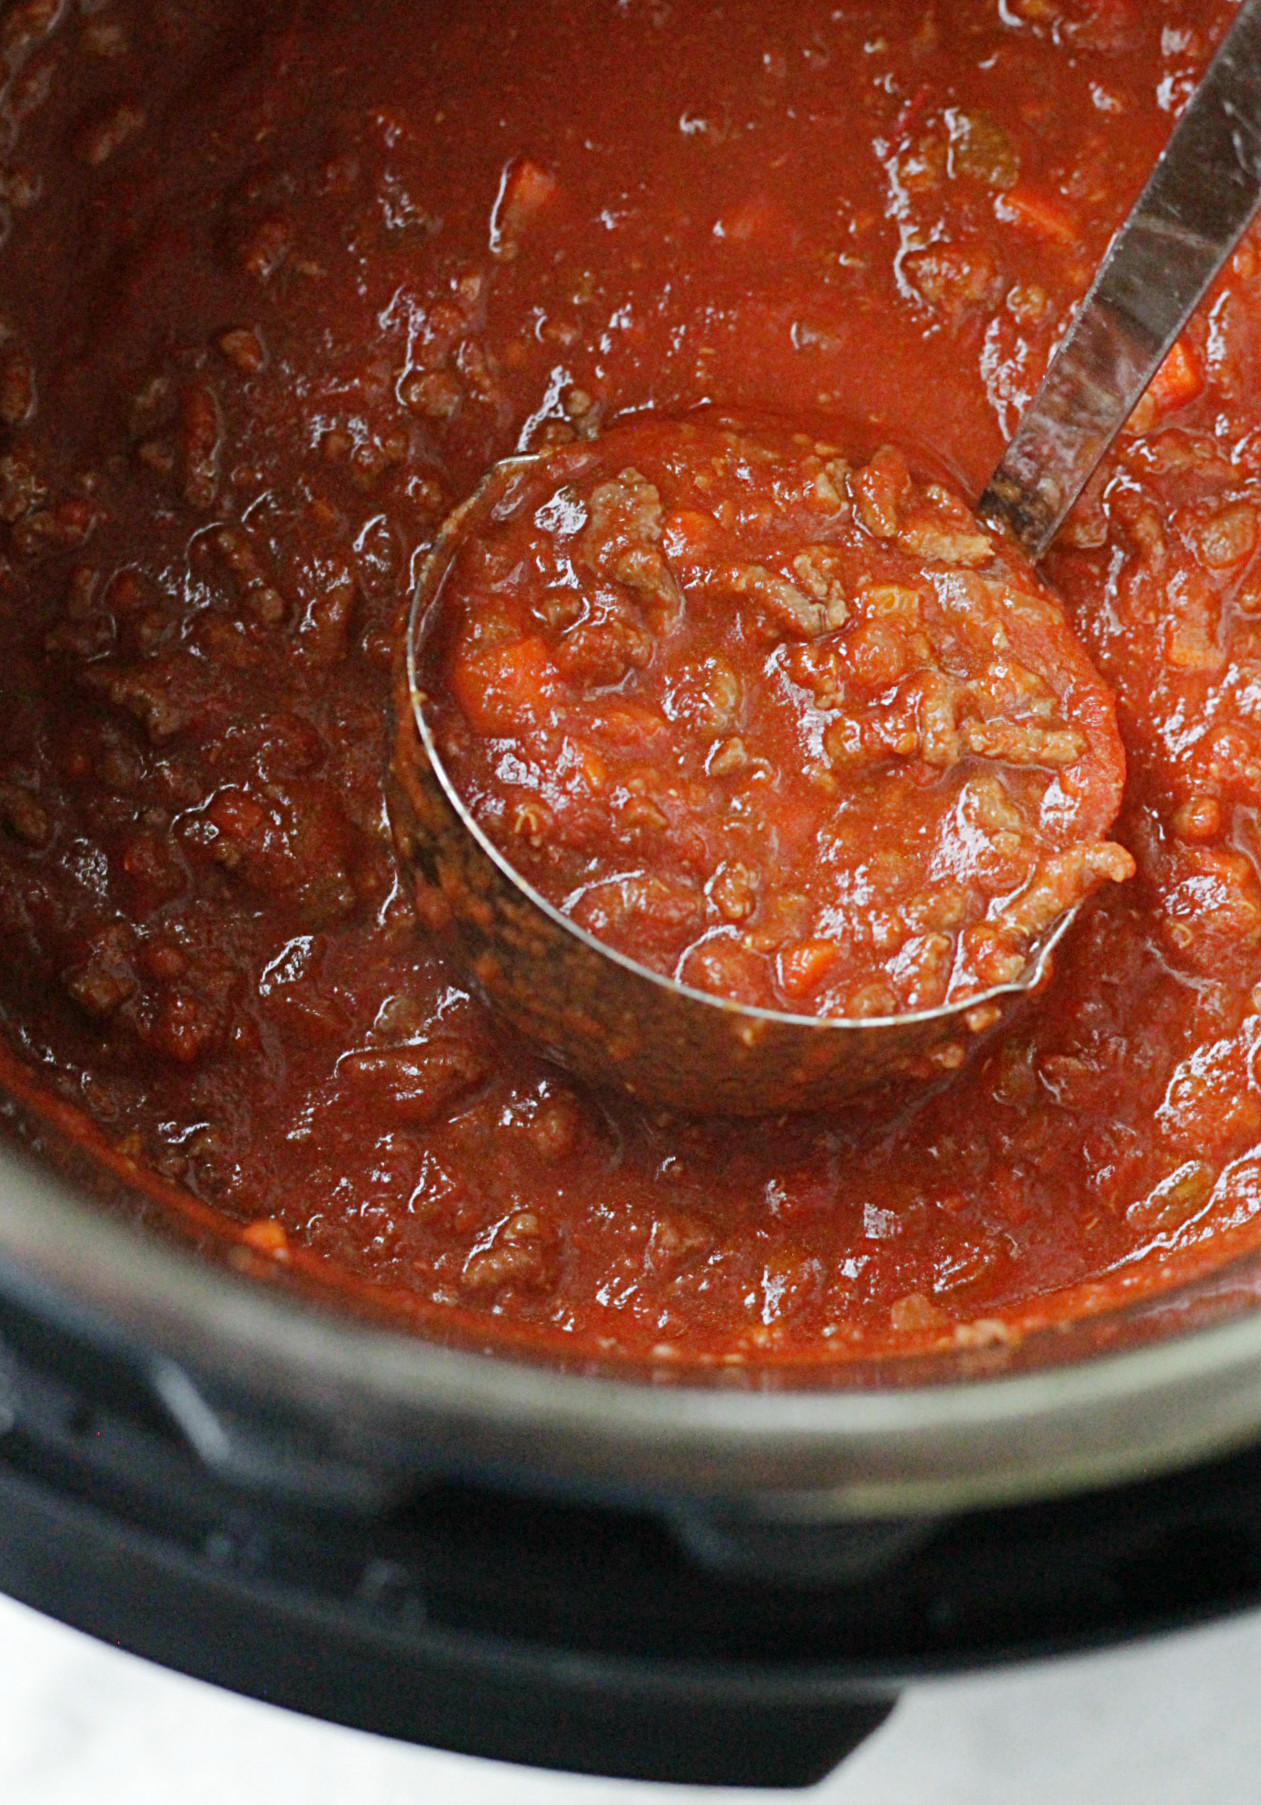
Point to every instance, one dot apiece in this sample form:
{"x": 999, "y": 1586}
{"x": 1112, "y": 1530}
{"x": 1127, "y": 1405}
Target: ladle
{"x": 616, "y": 1022}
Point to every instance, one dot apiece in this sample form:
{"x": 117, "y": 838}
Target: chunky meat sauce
{"x": 278, "y": 284}
{"x": 797, "y": 732}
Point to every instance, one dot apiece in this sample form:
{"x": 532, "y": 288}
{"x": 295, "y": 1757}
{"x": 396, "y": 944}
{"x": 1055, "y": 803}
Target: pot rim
{"x": 383, "y": 1397}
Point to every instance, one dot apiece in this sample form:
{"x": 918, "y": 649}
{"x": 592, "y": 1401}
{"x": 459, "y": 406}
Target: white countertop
{"x": 1175, "y": 1722}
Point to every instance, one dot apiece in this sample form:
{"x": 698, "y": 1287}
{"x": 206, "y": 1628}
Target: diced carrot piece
{"x": 1045, "y": 214}
{"x": 801, "y": 967}
{"x": 506, "y": 688}
{"x": 267, "y": 1235}
{"x": 1178, "y": 381}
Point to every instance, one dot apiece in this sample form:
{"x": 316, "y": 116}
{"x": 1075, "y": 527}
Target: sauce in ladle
{"x": 793, "y": 730}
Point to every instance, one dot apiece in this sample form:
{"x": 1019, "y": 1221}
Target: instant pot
{"x": 716, "y": 1575}
{"x": 648, "y": 1575}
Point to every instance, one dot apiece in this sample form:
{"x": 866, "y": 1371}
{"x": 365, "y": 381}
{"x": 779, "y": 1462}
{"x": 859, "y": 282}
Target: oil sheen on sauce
{"x": 277, "y": 286}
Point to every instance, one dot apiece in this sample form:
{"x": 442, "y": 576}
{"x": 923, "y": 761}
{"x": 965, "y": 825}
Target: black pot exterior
{"x": 668, "y": 1639}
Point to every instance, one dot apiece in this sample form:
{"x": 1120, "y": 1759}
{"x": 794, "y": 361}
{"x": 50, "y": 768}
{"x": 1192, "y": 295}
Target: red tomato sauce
{"x": 795, "y": 731}
{"x": 277, "y": 287}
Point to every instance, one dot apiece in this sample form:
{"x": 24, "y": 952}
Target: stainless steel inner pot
{"x": 1108, "y": 1398}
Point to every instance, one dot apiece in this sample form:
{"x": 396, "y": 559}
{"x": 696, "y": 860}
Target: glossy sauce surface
{"x": 789, "y": 729}
{"x": 275, "y": 290}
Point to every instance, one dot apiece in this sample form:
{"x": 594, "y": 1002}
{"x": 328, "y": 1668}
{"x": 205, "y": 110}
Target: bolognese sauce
{"x": 278, "y": 285}
{"x": 795, "y": 730}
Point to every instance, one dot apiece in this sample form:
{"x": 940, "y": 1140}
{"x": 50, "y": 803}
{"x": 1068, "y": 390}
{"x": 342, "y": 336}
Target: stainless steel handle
{"x": 1197, "y": 202}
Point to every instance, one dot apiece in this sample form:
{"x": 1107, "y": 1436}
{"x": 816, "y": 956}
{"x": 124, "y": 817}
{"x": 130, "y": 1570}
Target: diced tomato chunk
{"x": 628, "y": 725}
{"x": 584, "y": 768}
{"x": 689, "y": 536}
{"x": 506, "y": 688}
{"x": 236, "y": 815}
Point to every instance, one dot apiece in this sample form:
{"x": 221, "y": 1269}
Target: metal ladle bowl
{"x": 606, "y": 1017}
{"x": 614, "y": 1021}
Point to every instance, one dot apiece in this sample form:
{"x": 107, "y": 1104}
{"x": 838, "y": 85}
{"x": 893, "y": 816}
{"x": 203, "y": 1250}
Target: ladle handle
{"x": 1197, "y": 202}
